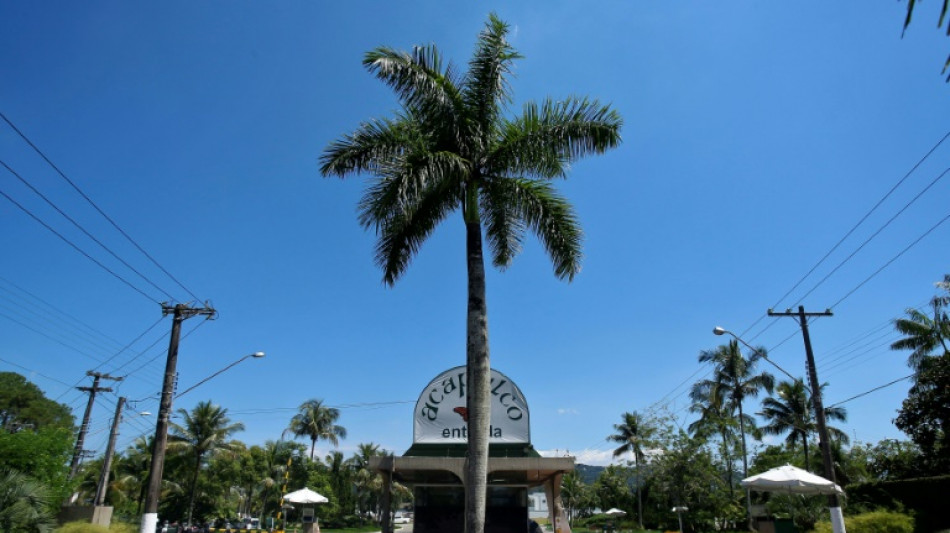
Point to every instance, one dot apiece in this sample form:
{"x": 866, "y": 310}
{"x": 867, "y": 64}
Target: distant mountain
{"x": 588, "y": 473}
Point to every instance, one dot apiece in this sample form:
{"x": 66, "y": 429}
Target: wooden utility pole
{"x": 110, "y": 450}
{"x": 824, "y": 444}
{"x": 80, "y": 439}
{"x": 180, "y": 313}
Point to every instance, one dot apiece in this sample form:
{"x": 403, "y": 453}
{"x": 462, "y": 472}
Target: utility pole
{"x": 78, "y": 451}
{"x": 180, "y": 313}
{"x": 110, "y": 450}
{"x": 837, "y": 518}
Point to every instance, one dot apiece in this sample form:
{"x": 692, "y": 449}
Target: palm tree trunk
{"x": 478, "y": 375}
{"x": 728, "y": 459}
{"x": 745, "y": 465}
{"x": 636, "y": 462}
{"x": 194, "y": 485}
{"x": 805, "y": 448}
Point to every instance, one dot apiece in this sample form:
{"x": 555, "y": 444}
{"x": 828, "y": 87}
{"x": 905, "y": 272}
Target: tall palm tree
{"x": 203, "y": 432}
{"x": 133, "y": 468}
{"x": 734, "y": 378}
{"x": 451, "y": 149}
{"x": 634, "y": 434}
{"x": 715, "y": 418}
{"x": 316, "y": 421}
{"x": 923, "y": 335}
{"x": 791, "y": 411}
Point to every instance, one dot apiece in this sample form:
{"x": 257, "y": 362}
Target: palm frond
{"x": 403, "y": 232}
{"x": 404, "y": 181}
{"x": 486, "y": 91}
{"x": 512, "y": 204}
{"x": 544, "y": 140}
{"x": 419, "y": 81}
{"x": 368, "y": 148}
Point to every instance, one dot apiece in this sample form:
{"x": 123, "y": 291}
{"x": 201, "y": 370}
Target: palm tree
{"x": 132, "y": 470}
{"x": 450, "y": 149}
{"x": 204, "y": 432}
{"x": 734, "y": 378}
{"x": 791, "y": 411}
{"x": 924, "y": 335}
{"x": 24, "y": 504}
{"x": 316, "y": 421}
{"x": 633, "y": 435}
{"x": 715, "y": 418}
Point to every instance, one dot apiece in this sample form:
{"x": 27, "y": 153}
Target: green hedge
{"x": 926, "y": 498}
{"x": 873, "y": 522}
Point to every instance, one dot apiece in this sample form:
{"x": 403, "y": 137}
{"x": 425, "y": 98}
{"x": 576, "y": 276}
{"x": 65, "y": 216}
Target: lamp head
{"x": 257, "y": 355}
{"x": 719, "y": 330}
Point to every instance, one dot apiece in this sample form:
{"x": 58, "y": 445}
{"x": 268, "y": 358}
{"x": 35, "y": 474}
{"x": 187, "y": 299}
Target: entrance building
{"x": 434, "y": 466}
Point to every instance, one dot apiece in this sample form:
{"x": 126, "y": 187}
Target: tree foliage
{"x": 316, "y": 422}
{"x": 23, "y": 405}
{"x": 925, "y": 414}
{"x": 451, "y": 149}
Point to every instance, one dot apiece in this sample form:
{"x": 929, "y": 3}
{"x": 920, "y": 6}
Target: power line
{"x": 79, "y": 226}
{"x": 93, "y": 204}
{"x": 31, "y": 371}
{"x": 865, "y": 393}
{"x": 875, "y": 234}
{"x": 861, "y": 221}
{"x": 71, "y": 244}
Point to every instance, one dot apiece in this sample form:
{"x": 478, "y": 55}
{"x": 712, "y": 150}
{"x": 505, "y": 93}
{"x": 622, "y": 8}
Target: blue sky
{"x": 756, "y": 135}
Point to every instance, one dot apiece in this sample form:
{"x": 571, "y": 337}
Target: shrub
{"x": 873, "y": 522}
{"x": 82, "y": 527}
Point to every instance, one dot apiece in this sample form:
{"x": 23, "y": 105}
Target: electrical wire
{"x": 902, "y": 252}
{"x": 861, "y": 221}
{"x": 85, "y": 232}
{"x": 875, "y": 234}
{"x": 875, "y": 389}
{"x": 93, "y": 204}
{"x": 73, "y": 245}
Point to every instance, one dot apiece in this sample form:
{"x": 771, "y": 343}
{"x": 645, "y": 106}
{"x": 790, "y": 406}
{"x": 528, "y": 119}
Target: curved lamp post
{"x": 153, "y": 491}
{"x": 721, "y": 331}
{"x": 255, "y": 355}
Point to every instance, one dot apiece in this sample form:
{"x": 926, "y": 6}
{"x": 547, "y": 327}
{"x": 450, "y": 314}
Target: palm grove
{"x": 699, "y": 465}
{"x": 209, "y": 474}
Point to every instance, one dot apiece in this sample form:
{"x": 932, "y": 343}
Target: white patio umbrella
{"x": 615, "y": 512}
{"x": 305, "y": 495}
{"x": 790, "y": 479}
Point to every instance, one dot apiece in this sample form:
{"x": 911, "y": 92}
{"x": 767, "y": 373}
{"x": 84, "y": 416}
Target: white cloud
{"x": 586, "y": 457}
{"x": 567, "y": 411}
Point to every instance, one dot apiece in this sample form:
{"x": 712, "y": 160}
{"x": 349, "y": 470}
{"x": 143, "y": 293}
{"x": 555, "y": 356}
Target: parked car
{"x": 401, "y": 517}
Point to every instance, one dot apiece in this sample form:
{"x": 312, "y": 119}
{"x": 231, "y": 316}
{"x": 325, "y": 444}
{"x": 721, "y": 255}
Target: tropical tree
{"x": 791, "y": 411}
{"x": 925, "y": 414}
{"x": 203, "y": 432}
{"x": 734, "y": 379}
{"x": 451, "y": 149}
{"x": 316, "y": 421}
{"x": 634, "y": 435}
{"x": 576, "y": 495}
{"x": 715, "y": 418}
{"x": 24, "y": 504}
{"x": 132, "y": 469}
{"x": 367, "y": 484}
{"x": 923, "y": 335}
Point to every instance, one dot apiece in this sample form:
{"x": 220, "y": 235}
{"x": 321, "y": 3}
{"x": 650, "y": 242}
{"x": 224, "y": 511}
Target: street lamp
{"x": 153, "y": 491}
{"x": 720, "y": 331}
{"x": 255, "y": 355}
{"x": 679, "y": 510}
